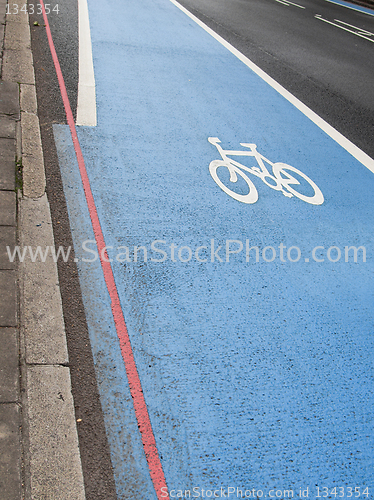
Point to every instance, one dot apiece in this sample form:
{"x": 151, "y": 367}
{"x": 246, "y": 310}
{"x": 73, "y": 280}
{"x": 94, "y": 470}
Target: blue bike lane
{"x": 256, "y": 374}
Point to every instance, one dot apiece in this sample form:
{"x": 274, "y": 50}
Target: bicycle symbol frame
{"x": 279, "y": 181}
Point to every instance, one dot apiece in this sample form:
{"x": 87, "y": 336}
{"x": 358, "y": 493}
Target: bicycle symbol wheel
{"x": 249, "y": 198}
{"x": 282, "y": 168}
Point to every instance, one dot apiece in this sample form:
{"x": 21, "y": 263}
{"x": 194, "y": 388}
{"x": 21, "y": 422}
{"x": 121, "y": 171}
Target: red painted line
{"x": 141, "y": 411}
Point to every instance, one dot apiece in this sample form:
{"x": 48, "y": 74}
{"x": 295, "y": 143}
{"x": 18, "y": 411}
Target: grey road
{"x": 327, "y": 67}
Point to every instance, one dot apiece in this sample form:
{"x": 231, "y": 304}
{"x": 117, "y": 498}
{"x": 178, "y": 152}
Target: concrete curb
{"x": 55, "y": 467}
{"x": 52, "y": 466}
{"x": 32, "y": 156}
{"x": 42, "y": 324}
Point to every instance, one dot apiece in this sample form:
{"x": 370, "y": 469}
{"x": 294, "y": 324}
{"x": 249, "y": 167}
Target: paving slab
{"x": 7, "y": 154}
{"x": 8, "y": 238}
{"x": 10, "y": 452}
{"x": 7, "y": 127}
{"x": 9, "y": 371}
{"x": 7, "y": 175}
{"x": 7, "y": 208}
{"x": 8, "y": 298}
{"x": 17, "y": 38}
{"x": 55, "y": 467}
{"x": 18, "y": 66}
{"x": 7, "y": 147}
{"x": 3, "y": 10}
{"x": 20, "y": 17}
{"x": 9, "y": 99}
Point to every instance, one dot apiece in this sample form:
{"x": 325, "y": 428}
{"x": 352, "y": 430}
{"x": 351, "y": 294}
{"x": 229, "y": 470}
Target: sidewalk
{"x": 39, "y": 451}
{"x": 10, "y": 397}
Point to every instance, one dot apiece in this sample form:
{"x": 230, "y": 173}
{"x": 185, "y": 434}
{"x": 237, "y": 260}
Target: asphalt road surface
{"x": 325, "y": 66}
{"x": 249, "y": 322}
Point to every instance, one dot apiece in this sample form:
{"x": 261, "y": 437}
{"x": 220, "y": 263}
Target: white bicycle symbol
{"x": 280, "y": 181}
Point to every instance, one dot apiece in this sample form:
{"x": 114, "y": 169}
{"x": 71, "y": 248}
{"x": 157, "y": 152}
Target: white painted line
{"x": 287, "y": 3}
{"x": 86, "y": 107}
{"x": 357, "y": 9}
{"x": 363, "y": 32}
{"x": 342, "y": 28}
{"x": 296, "y": 5}
{"x": 356, "y": 152}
